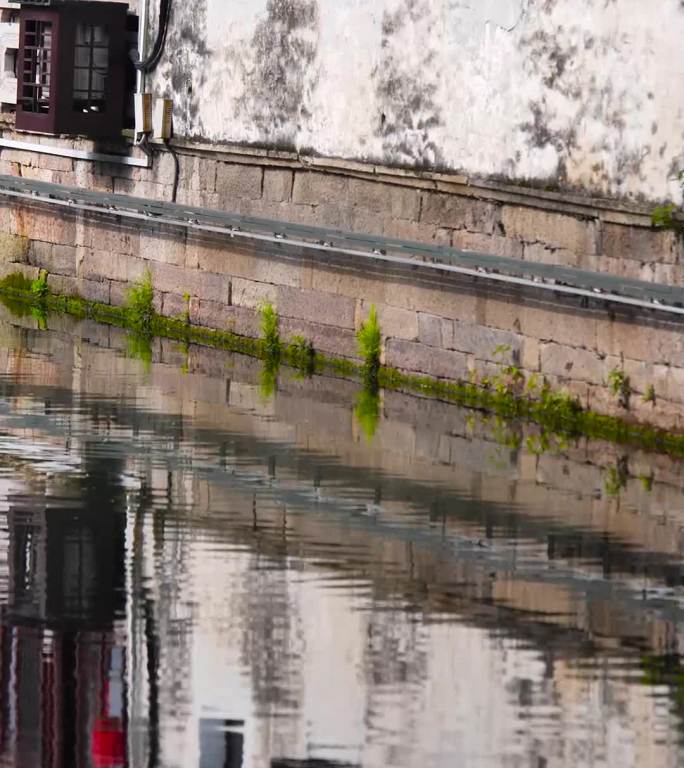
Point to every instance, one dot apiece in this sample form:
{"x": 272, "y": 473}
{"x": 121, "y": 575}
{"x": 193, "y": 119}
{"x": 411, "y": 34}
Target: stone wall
{"x": 434, "y": 323}
{"x": 520, "y": 223}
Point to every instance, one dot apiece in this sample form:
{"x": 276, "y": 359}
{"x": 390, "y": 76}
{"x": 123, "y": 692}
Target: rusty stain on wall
{"x": 572, "y": 94}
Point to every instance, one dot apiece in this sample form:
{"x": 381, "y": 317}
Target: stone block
{"x": 364, "y": 221}
{"x": 113, "y": 236}
{"x": 641, "y": 375}
{"x": 555, "y": 229}
{"x": 168, "y": 278}
{"x": 278, "y": 185}
{"x": 173, "y": 305}
{"x": 163, "y": 170}
{"x": 197, "y": 173}
{"x": 93, "y": 290}
{"x": 642, "y": 341}
{"x": 488, "y": 343}
{"x": 531, "y": 355}
{"x": 324, "y": 308}
{"x": 238, "y": 260}
{"x": 435, "y": 331}
{"x": 147, "y": 190}
{"x": 339, "y": 342}
{"x": 118, "y": 295}
{"x": 571, "y": 363}
{"x": 417, "y": 231}
{"x": 553, "y": 323}
{"x": 96, "y": 265}
{"x": 411, "y": 356}
{"x": 18, "y": 156}
{"x": 543, "y": 254}
{"x": 371, "y": 196}
{"x": 331, "y": 215}
{"x": 314, "y": 188}
{"x": 454, "y": 212}
{"x": 200, "y": 199}
{"x": 14, "y": 249}
{"x": 238, "y": 182}
{"x": 561, "y": 474}
{"x": 404, "y": 203}
{"x": 621, "y": 242}
{"x": 62, "y": 284}
{"x": 43, "y": 174}
{"x": 50, "y": 226}
{"x": 10, "y": 169}
{"x": 167, "y": 246}
{"x": 251, "y": 294}
{"x": 394, "y": 323}
{"x": 494, "y": 245}
{"x": 54, "y": 163}
{"x": 667, "y": 381}
{"x": 85, "y": 176}
{"x": 57, "y": 259}
{"x": 212, "y": 314}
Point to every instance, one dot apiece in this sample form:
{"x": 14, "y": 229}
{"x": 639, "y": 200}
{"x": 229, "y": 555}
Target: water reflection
{"x": 192, "y": 574}
{"x": 63, "y": 667}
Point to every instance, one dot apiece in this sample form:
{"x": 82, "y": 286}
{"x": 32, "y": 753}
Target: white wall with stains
{"x": 582, "y": 94}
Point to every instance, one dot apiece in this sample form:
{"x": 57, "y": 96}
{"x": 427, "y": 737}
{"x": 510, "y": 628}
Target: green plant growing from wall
{"x": 270, "y": 332}
{"x": 533, "y": 385}
{"x": 663, "y": 217}
{"x": 186, "y": 313}
{"x": 539, "y": 444}
{"x": 40, "y": 289}
{"x": 650, "y": 395}
{"x": 140, "y": 305}
{"x": 369, "y": 338}
{"x": 620, "y": 386}
{"x": 268, "y": 379}
{"x": 511, "y": 379}
{"x": 40, "y": 316}
{"x": 16, "y": 282}
{"x": 646, "y": 482}
{"x": 616, "y": 479}
{"x": 139, "y": 347}
{"x": 506, "y": 434}
{"x": 300, "y": 355}
{"x": 367, "y": 411}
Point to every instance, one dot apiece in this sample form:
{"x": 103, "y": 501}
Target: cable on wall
{"x": 150, "y": 63}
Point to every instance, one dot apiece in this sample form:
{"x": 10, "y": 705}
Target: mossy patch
{"x": 557, "y": 412}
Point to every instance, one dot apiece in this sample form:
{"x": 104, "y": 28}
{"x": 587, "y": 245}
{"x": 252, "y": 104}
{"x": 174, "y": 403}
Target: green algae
{"x": 556, "y": 412}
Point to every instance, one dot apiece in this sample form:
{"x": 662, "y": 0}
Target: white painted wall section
{"x": 575, "y": 94}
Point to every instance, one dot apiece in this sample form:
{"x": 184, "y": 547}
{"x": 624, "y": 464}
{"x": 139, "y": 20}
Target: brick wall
{"x": 433, "y": 323}
{"x": 522, "y": 223}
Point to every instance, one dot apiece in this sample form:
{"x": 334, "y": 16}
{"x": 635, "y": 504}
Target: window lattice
{"x": 36, "y": 74}
{"x": 91, "y": 68}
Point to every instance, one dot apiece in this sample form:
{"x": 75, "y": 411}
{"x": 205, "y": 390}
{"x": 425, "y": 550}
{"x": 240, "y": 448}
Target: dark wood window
{"x": 91, "y": 68}
{"x": 74, "y": 65}
{"x": 36, "y": 67}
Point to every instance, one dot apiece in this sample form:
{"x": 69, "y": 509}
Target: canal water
{"x": 201, "y": 565}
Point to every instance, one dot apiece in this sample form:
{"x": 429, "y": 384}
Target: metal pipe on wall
{"x": 142, "y": 43}
{"x": 76, "y": 154}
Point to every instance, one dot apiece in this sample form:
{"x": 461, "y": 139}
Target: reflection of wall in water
{"x": 62, "y": 682}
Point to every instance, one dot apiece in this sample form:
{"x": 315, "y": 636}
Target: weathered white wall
{"x": 572, "y": 93}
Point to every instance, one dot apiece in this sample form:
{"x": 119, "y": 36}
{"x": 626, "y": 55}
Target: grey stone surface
{"x": 323, "y": 308}
{"x": 338, "y": 342}
{"x": 278, "y": 185}
{"x": 411, "y": 356}
{"x": 235, "y": 182}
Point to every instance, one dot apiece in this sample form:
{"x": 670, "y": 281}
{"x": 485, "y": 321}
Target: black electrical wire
{"x": 176, "y": 175}
{"x": 150, "y": 63}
